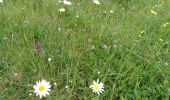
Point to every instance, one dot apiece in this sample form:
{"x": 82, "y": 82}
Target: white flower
{"x": 111, "y": 11}
{"x": 1, "y": 1}
{"x": 62, "y": 10}
{"x": 67, "y": 2}
{"x": 96, "y": 2}
{"x": 49, "y": 59}
{"x": 30, "y": 94}
{"x": 55, "y": 83}
{"x": 166, "y": 24}
{"x": 77, "y": 16}
{"x": 60, "y": 1}
{"x": 97, "y": 87}
{"x": 66, "y": 86}
{"x": 153, "y": 12}
{"x": 42, "y": 88}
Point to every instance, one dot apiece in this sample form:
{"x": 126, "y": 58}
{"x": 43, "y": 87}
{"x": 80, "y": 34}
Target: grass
{"x": 132, "y": 66}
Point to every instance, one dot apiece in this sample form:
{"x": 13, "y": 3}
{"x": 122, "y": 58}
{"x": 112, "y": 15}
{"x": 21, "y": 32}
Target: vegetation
{"x": 123, "y": 43}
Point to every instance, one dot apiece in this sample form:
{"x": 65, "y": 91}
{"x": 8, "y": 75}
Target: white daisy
{"x": 67, "y": 2}
{"x": 1, "y": 1}
{"x": 96, "y": 2}
{"x": 97, "y": 87}
{"x": 42, "y": 88}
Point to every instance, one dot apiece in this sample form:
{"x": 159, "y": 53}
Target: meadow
{"x": 123, "y": 43}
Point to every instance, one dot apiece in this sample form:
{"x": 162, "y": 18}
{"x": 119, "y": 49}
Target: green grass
{"x": 136, "y": 69}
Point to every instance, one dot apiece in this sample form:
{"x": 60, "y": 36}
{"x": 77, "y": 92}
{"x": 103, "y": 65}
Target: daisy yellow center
{"x": 42, "y": 88}
{"x": 96, "y": 87}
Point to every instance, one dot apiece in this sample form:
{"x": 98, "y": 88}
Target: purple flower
{"x": 38, "y": 47}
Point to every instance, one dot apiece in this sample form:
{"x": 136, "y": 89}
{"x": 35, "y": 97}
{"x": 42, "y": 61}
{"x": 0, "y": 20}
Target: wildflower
{"x": 153, "y": 12}
{"x": 96, "y": 2}
{"x": 16, "y": 74}
{"x": 30, "y": 94}
{"x": 38, "y": 47}
{"x": 1, "y": 1}
{"x": 42, "y": 88}
{"x": 49, "y": 59}
{"x": 67, "y": 2}
{"x": 66, "y": 86}
{"x": 98, "y": 72}
{"x": 111, "y": 11}
{"x": 62, "y": 10}
{"x": 97, "y": 87}
{"x": 92, "y": 47}
{"x": 60, "y": 1}
{"x": 166, "y": 24}
{"x": 5, "y": 38}
{"x": 142, "y": 31}
{"x": 166, "y": 64}
{"x": 55, "y": 83}
{"x": 77, "y": 16}
{"x": 104, "y": 46}
{"x": 114, "y": 46}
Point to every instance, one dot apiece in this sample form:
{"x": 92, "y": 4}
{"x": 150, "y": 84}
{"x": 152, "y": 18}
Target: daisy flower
{"x": 96, "y": 2}
{"x": 1, "y": 1}
{"x": 42, "y": 88}
{"x": 97, "y": 87}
